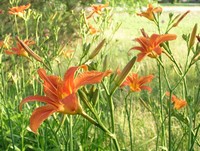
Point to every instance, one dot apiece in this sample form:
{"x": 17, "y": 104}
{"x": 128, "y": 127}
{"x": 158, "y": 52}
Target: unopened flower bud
{"x": 193, "y": 36}
{"x": 125, "y": 71}
{"x": 180, "y": 19}
{"x": 97, "y": 49}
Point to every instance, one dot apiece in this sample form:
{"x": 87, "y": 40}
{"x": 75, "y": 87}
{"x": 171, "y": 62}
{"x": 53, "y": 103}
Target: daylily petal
{"x": 158, "y": 50}
{"x": 146, "y": 79}
{"x": 70, "y": 104}
{"x": 90, "y": 77}
{"x": 138, "y": 48}
{"x": 166, "y": 37}
{"x": 37, "y": 98}
{"x": 140, "y": 56}
{"x": 69, "y": 80}
{"x": 39, "y": 115}
{"x": 51, "y": 84}
{"x": 146, "y": 88}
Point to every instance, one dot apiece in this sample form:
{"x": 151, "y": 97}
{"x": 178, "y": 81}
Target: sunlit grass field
{"x": 137, "y": 121}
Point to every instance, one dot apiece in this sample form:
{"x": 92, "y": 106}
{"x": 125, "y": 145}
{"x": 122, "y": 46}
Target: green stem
{"x": 26, "y": 26}
{"x": 161, "y": 110}
{"x": 16, "y": 25}
{"x": 129, "y": 115}
{"x": 71, "y": 132}
{"x": 169, "y": 123}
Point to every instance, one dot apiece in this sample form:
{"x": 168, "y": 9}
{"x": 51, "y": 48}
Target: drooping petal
{"x": 146, "y": 88}
{"x": 146, "y": 79}
{"x": 138, "y": 48}
{"x": 39, "y": 115}
{"x": 70, "y": 105}
{"x": 140, "y": 56}
{"x": 38, "y": 98}
{"x": 90, "y": 77}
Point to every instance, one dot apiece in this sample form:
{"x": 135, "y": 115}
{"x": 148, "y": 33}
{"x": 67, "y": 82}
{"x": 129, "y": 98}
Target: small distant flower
{"x": 1, "y": 43}
{"x": 136, "y": 83}
{"x": 150, "y": 46}
{"x": 19, "y": 50}
{"x": 97, "y": 9}
{"x": 92, "y": 29}
{"x": 149, "y": 13}
{"x": 180, "y": 19}
{"x": 61, "y": 94}
{"x": 1, "y": 11}
{"x": 18, "y": 10}
{"x": 178, "y": 103}
{"x": 68, "y": 53}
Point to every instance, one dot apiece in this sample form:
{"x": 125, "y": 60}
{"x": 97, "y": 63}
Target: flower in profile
{"x": 96, "y": 9}
{"x": 60, "y": 94}
{"x": 19, "y": 50}
{"x": 178, "y": 103}
{"x": 18, "y": 10}
{"x": 136, "y": 83}
{"x": 150, "y": 46}
{"x": 149, "y": 13}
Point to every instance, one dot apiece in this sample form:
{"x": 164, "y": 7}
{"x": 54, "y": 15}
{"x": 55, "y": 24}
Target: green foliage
{"x": 124, "y": 119}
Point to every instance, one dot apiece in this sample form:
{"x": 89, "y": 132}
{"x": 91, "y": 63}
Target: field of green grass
{"x": 113, "y": 117}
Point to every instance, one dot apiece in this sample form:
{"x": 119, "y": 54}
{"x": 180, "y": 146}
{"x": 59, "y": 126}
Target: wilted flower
{"x": 61, "y": 94}
{"x": 150, "y": 46}
{"x": 149, "y": 13}
{"x": 136, "y": 83}
{"x": 178, "y": 103}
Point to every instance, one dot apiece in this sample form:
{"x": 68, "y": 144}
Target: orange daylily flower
{"x": 178, "y": 103}
{"x": 92, "y": 29}
{"x": 1, "y": 11}
{"x": 149, "y": 13}
{"x": 60, "y": 94}
{"x": 136, "y": 83}
{"x": 19, "y": 50}
{"x": 97, "y": 9}
{"x": 1, "y": 44}
{"x": 18, "y": 10}
{"x": 150, "y": 46}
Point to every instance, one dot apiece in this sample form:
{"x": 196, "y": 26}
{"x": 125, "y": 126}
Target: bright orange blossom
{"x": 150, "y": 46}
{"x": 19, "y": 50}
{"x": 60, "y": 94}
{"x": 18, "y": 10}
{"x": 97, "y": 9}
{"x": 178, "y": 103}
{"x": 149, "y": 13}
{"x": 136, "y": 83}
